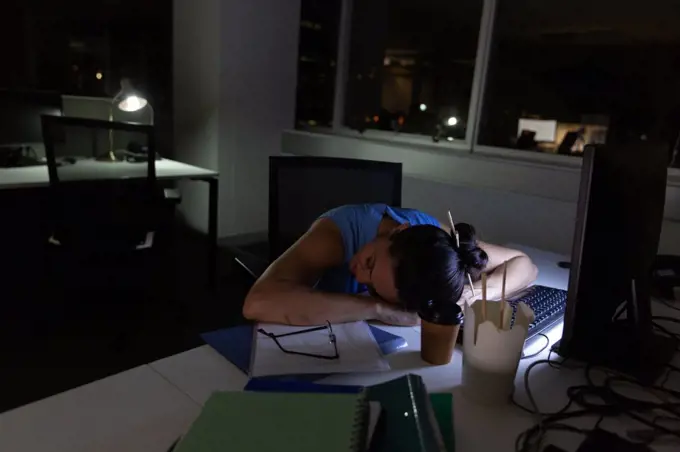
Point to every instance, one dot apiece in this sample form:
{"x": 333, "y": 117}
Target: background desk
{"x": 92, "y": 170}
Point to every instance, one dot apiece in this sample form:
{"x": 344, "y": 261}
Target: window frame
{"x": 470, "y": 144}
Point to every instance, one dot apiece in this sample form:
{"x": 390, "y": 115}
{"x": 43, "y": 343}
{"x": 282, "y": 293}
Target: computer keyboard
{"x": 547, "y": 303}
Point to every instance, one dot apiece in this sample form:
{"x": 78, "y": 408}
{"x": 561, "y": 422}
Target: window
{"x": 317, "y": 62}
{"x": 565, "y": 73}
{"x": 551, "y": 77}
{"x": 85, "y": 48}
{"x": 411, "y": 65}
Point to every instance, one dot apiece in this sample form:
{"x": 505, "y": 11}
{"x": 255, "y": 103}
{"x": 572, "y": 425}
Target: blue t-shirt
{"x": 358, "y": 225}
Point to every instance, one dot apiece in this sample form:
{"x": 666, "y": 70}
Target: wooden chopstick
{"x": 457, "y": 236}
{"x": 505, "y": 274}
{"x": 483, "y": 297}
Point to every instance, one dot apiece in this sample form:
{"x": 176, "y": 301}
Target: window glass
{"x": 317, "y": 61}
{"x": 563, "y": 74}
{"x": 411, "y": 65}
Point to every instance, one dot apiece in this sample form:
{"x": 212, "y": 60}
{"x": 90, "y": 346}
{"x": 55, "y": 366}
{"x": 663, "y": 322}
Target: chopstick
{"x": 453, "y": 229}
{"x": 472, "y": 288}
{"x": 457, "y": 236}
{"x": 483, "y": 297}
{"x": 505, "y": 274}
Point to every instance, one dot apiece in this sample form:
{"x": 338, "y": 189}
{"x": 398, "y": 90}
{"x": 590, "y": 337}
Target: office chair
{"x": 303, "y": 188}
{"x": 103, "y": 230}
{"x": 91, "y": 207}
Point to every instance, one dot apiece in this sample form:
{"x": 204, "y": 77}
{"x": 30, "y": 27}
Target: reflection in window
{"x": 562, "y": 73}
{"x": 411, "y": 65}
{"x": 317, "y": 56}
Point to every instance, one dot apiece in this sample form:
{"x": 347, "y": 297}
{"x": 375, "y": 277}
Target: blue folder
{"x": 236, "y": 343}
{"x": 304, "y": 387}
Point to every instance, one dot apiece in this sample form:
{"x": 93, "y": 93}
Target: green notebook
{"x": 410, "y": 421}
{"x": 279, "y": 422}
{"x": 442, "y": 404}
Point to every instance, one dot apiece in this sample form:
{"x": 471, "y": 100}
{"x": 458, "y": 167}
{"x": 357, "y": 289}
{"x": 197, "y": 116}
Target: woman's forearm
{"x": 520, "y": 273}
{"x": 292, "y": 304}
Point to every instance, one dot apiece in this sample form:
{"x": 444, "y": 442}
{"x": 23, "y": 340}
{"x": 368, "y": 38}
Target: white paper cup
{"x": 491, "y": 355}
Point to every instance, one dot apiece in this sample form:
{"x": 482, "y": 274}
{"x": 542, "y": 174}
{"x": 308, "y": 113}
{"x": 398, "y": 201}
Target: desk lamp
{"x": 130, "y": 100}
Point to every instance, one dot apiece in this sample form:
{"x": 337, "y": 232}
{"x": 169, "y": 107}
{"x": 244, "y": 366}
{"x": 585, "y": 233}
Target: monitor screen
{"x": 545, "y": 128}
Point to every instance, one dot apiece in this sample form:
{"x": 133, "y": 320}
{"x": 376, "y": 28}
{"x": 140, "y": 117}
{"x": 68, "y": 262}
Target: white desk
{"x": 136, "y": 410}
{"x": 83, "y": 170}
{"x": 93, "y": 170}
{"x": 201, "y": 371}
{"x": 140, "y": 409}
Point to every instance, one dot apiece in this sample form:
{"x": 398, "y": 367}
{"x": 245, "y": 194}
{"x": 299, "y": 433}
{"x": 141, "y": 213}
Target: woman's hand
{"x": 394, "y": 315}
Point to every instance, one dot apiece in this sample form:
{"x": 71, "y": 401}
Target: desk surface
{"x": 139, "y": 410}
{"x": 136, "y": 410}
{"x": 36, "y": 176}
{"x": 201, "y": 371}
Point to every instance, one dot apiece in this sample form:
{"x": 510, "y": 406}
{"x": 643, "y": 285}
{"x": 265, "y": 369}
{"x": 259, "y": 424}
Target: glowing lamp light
{"x": 130, "y": 100}
{"x": 99, "y": 75}
{"x": 423, "y": 107}
{"x": 452, "y": 121}
{"x": 132, "y": 103}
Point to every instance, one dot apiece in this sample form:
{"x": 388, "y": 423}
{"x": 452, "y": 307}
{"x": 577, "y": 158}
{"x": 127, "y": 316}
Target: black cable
{"x": 667, "y": 304}
{"x": 547, "y": 344}
{"x": 666, "y": 331}
{"x": 664, "y": 318}
{"x": 605, "y": 400}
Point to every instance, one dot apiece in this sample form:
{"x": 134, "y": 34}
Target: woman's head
{"x": 419, "y": 263}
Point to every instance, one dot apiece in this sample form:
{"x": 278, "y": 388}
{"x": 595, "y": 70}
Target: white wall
{"x": 506, "y": 200}
{"x": 196, "y": 63}
{"x": 235, "y": 75}
{"x": 258, "y": 79}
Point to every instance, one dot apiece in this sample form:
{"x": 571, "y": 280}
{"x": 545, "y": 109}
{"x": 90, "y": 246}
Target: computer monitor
{"x": 545, "y": 129}
{"x": 619, "y": 217}
{"x": 302, "y": 188}
{"x": 20, "y": 113}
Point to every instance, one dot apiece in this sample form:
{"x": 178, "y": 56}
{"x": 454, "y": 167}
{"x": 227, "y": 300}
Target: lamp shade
{"x": 132, "y": 102}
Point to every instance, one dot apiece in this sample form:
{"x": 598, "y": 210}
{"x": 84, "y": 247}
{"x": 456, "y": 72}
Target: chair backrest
{"x": 302, "y": 188}
{"x": 90, "y": 195}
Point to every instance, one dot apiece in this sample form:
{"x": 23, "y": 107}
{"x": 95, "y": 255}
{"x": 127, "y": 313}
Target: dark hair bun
{"x": 473, "y": 258}
{"x": 430, "y": 269}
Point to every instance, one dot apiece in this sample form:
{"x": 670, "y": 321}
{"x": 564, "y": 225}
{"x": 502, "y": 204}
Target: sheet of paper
{"x": 356, "y": 346}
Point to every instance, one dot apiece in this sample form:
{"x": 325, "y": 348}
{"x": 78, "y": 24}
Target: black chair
{"x": 102, "y": 229}
{"x": 302, "y": 188}
{"x": 93, "y": 207}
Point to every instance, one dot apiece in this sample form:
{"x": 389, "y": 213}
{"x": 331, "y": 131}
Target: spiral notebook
{"x": 277, "y": 422}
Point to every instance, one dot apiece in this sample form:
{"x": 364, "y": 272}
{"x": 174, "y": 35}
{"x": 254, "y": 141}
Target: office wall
{"x": 196, "y": 90}
{"x": 508, "y": 201}
{"x": 257, "y": 102}
{"x": 235, "y": 68}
